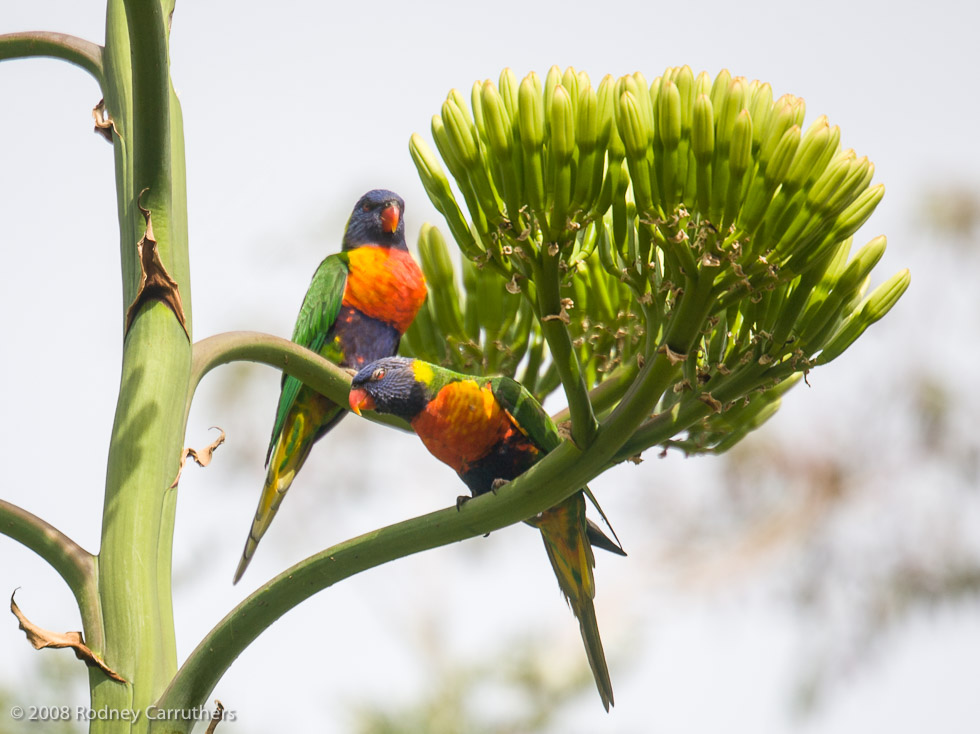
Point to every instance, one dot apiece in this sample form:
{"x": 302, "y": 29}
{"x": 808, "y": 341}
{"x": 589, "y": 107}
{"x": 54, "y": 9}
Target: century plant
{"x": 672, "y": 255}
{"x": 684, "y": 245}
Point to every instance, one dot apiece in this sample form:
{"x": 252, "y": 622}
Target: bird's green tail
{"x": 563, "y": 529}
{"x": 304, "y": 425}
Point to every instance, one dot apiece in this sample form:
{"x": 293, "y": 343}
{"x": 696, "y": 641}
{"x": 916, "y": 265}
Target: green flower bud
{"x": 719, "y": 88}
{"x": 811, "y": 149}
{"x": 477, "y": 104}
{"x": 703, "y": 146}
{"x": 430, "y": 170}
{"x": 760, "y": 109}
{"x": 462, "y": 134}
{"x": 636, "y": 136}
{"x": 783, "y": 156}
{"x": 441, "y": 136}
{"x": 683, "y": 79}
{"x": 669, "y": 118}
{"x": 740, "y": 155}
{"x": 569, "y": 80}
{"x": 496, "y": 120}
{"x": 780, "y": 119}
{"x": 531, "y": 114}
{"x": 851, "y": 219}
{"x": 531, "y": 124}
{"x": 507, "y": 84}
{"x": 830, "y": 181}
{"x": 436, "y": 263}
{"x": 631, "y": 124}
{"x": 608, "y": 134}
{"x": 702, "y": 85}
{"x": 857, "y": 180}
{"x": 437, "y": 187}
{"x": 552, "y": 80}
{"x": 586, "y": 119}
{"x": 562, "y": 125}
{"x": 703, "y": 130}
{"x": 871, "y": 310}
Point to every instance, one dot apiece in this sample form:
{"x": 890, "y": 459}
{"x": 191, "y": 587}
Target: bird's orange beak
{"x": 389, "y": 218}
{"x": 360, "y": 400}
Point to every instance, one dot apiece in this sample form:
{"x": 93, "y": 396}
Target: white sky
{"x": 291, "y": 111}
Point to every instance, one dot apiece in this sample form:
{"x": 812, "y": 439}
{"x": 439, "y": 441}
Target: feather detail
{"x": 385, "y": 284}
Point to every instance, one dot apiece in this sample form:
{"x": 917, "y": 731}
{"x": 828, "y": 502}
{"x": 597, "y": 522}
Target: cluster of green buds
{"x": 689, "y": 216}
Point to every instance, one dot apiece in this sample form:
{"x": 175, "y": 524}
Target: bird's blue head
{"x": 388, "y": 385}
{"x": 377, "y": 219}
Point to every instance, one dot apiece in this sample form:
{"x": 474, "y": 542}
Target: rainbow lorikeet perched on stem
{"x": 491, "y": 430}
{"x": 359, "y": 304}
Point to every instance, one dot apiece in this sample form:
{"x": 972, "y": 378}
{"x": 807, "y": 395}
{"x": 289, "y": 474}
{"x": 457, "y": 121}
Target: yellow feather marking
{"x": 423, "y": 371}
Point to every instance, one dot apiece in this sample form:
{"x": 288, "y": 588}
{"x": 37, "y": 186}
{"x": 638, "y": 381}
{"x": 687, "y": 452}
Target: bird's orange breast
{"x": 385, "y": 284}
{"x": 462, "y": 423}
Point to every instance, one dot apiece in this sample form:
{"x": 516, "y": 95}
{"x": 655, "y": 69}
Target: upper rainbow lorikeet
{"x": 359, "y": 304}
{"x": 490, "y": 429}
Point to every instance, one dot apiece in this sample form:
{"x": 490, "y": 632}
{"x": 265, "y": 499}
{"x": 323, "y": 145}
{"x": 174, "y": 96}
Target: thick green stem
{"x": 75, "y": 50}
{"x": 563, "y": 355}
{"x": 147, "y": 436}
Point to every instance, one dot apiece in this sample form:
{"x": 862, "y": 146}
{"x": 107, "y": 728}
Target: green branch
{"x": 608, "y": 392}
{"x": 561, "y": 473}
{"x": 72, "y": 49}
{"x": 550, "y": 311}
{"x": 251, "y": 346}
{"x": 72, "y": 562}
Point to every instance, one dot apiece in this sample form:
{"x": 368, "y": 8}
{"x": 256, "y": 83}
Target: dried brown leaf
{"x": 219, "y": 710}
{"x": 41, "y": 638}
{"x": 672, "y": 356}
{"x": 155, "y": 281}
{"x": 711, "y": 401}
{"x": 202, "y": 457}
{"x": 104, "y": 124}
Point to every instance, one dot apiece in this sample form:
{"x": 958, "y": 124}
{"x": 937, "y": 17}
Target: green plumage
{"x": 317, "y": 314}
{"x": 358, "y": 305}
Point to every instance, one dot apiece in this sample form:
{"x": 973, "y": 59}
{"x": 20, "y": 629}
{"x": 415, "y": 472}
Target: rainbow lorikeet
{"x": 490, "y": 429}
{"x": 359, "y": 304}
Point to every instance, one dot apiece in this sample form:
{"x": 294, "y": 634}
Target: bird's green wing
{"x": 317, "y": 314}
{"x": 527, "y": 411}
{"x": 534, "y": 421}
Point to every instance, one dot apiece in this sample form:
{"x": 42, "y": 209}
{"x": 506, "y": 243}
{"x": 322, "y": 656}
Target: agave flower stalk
{"x": 688, "y": 217}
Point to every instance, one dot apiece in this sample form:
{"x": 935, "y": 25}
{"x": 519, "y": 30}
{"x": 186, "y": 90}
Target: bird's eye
{"x": 378, "y": 374}
{"x": 366, "y": 207}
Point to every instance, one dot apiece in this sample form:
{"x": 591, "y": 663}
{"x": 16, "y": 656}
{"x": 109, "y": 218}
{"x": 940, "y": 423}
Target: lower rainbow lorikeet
{"x": 359, "y": 304}
{"x": 491, "y": 430}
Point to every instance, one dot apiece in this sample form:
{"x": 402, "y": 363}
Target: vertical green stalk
{"x": 547, "y": 279}
{"x": 147, "y": 436}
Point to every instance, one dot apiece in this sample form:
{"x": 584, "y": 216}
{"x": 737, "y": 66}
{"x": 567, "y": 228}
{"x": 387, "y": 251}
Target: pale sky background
{"x": 291, "y": 111}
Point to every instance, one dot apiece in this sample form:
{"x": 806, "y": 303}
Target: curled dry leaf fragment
{"x": 41, "y": 638}
{"x": 711, "y": 401}
{"x": 155, "y": 282}
{"x": 219, "y": 710}
{"x": 202, "y": 457}
{"x": 104, "y": 124}
{"x": 672, "y": 356}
